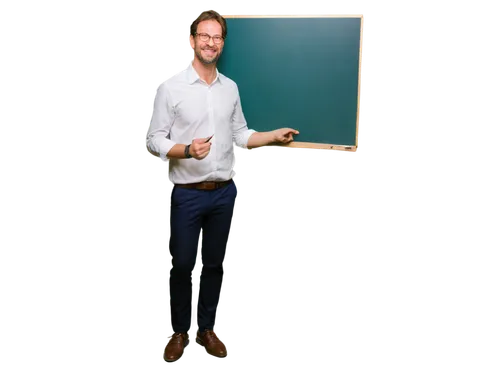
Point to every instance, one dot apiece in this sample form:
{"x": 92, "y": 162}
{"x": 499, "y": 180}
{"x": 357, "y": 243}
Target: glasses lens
{"x": 205, "y": 38}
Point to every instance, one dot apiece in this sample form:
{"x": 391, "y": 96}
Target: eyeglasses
{"x": 205, "y": 38}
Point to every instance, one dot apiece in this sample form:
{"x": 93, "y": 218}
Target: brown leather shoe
{"x": 175, "y": 347}
{"x": 212, "y": 344}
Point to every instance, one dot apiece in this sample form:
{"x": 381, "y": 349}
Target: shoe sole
{"x": 172, "y": 361}
{"x": 201, "y": 343}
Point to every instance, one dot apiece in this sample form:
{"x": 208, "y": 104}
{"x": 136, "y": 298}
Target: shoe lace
{"x": 177, "y": 336}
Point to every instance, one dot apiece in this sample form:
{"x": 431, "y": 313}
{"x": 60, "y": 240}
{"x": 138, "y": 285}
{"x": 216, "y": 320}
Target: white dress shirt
{"x": 185, "y": 108}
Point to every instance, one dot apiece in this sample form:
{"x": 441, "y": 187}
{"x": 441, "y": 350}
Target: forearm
{"x": 177, "y": 152}
{"x": 259, "y": 139}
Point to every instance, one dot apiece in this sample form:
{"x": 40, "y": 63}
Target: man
{"x": 196, "y": 118}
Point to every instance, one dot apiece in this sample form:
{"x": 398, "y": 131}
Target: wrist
{"x": 274, "y": 136}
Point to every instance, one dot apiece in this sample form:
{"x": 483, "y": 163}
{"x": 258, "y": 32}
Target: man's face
{"x": 207, "y": 52}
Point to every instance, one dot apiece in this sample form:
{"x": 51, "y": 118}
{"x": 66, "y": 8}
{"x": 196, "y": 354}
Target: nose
{"x": 211, "y": 42}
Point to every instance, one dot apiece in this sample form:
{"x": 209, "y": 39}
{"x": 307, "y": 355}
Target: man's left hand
{"x": 284, "y": 135}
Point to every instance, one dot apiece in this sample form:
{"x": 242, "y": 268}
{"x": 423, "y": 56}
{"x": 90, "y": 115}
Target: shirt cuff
{"x": 165, "y": 145}
{"x": 243, "y": 138}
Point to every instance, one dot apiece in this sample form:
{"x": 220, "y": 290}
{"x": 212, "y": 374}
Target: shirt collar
{"x": 192, "y": 75}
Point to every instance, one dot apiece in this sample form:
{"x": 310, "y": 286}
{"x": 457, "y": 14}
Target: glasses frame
{"x": 210, "y": 37}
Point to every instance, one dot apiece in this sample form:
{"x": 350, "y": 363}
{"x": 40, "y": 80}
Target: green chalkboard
{"x": 298, "y": 72}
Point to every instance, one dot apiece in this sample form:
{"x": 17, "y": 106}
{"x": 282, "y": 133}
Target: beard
{"x": 207, "y": 60}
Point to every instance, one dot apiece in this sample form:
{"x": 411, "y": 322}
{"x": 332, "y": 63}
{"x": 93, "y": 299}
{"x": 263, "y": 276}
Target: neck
{"x": 206, "y": 72}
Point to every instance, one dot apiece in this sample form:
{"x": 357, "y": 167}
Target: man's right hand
{"x": 200, "y": 148}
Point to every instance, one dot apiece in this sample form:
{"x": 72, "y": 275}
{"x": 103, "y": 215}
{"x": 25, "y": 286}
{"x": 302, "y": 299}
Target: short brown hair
{"x": 206, "y": 16}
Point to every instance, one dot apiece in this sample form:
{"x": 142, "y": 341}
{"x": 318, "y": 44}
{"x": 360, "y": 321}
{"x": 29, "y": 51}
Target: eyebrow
{"x": 210, "y": 35}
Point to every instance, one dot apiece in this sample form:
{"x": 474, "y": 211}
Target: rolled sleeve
{"x": 241, "y": 138}
{"x": 158, "y": 138}
{"x": 241, "y": 133}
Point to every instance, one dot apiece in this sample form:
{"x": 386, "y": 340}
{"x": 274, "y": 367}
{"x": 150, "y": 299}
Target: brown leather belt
{"x": 205, "y": 185}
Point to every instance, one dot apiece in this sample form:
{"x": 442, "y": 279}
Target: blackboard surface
{"x": 298, "y": 72}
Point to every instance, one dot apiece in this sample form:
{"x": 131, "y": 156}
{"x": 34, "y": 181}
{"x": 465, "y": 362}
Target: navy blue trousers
{"x": 193, "y": 211}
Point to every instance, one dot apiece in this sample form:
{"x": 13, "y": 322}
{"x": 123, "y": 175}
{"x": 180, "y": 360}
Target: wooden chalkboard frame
{"x": 322, "y": 145}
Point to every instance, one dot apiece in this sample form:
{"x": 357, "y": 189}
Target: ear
{"x": 191, "y": 40}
